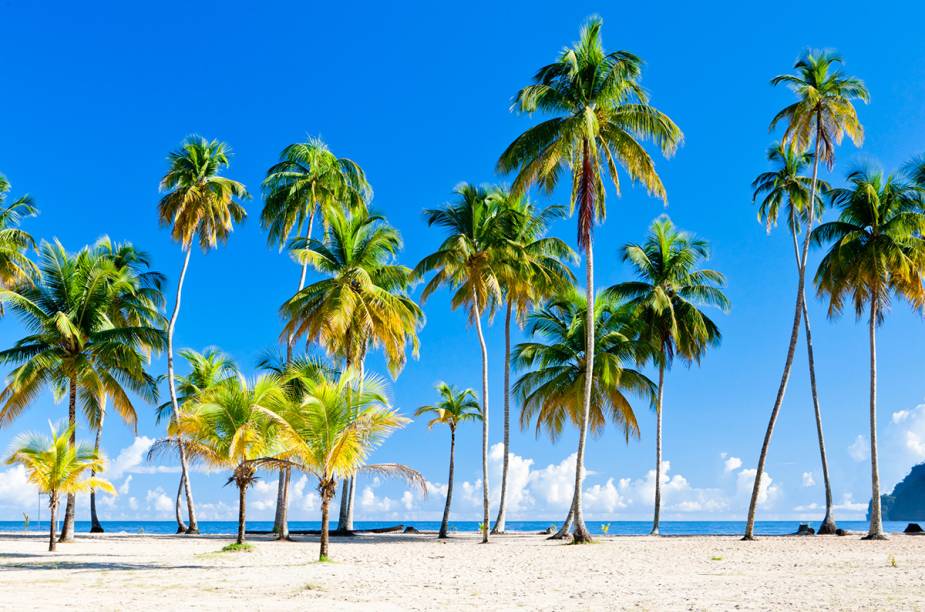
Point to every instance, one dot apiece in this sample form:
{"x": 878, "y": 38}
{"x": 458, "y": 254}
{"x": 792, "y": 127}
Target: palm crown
{"x": 454, "y": 407}
{"x": 786, "y": 186}
{"x": 207, "y": 370}
{"x": 14, "y": 242}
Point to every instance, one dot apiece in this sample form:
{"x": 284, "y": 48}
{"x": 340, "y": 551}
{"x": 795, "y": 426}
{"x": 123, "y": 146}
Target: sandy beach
{"x": 417, "y": 572}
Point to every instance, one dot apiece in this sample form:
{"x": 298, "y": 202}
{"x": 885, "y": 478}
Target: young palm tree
{"x": 667, "y": 300}
{"x": 15, "y": 265}
{"x": 76, "y": 346}
{"x": 600, "y": 115}
{"x": 363, "y": 301}
{"x": 536, "y": 271}
{"x": 785, "y": 186}
{"x": 471, "y": 261}
{"x": 822, "y": 116}
{"x": 552, "y": 388}
{"x": 55, "y": 466}
{"x": 199, "y": 204}
{"x": 876, "y": 251}
{"x": 454, "y": 407}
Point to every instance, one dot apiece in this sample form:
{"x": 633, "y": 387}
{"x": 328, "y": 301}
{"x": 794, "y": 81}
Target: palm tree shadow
{"x": 94, "y": 566}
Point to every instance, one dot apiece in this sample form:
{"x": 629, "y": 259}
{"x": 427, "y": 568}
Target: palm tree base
{"x": 748, "y": 538}
{"x": 654, "y": 532}
{"x": 97, "y": 529}
{"x": 181, "y": 530}
{"x": 497, "y": 532}
{"x": 828, "y": 527}
{"x": 192, "y": 531}
{"x": 581, "y": 536}
{"x": 343, "y": 533}
{"x": 875, "y": 536}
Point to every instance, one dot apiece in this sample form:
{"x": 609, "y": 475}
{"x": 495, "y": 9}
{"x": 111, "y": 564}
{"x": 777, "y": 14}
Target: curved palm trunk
{"x": 581, "y": 534}
{"x": 478, "y": 327}
{"x": 500, "y": 521}
{"x": 567, "y": 524}
{"x": 67, "y": 530}
{"x": 53, "y": 510}
{"x": 658, "y": 449}
{"x": 242, "y": 511}
{"x": 445, "y": 523}
{"x": 95, "y": 526}
{"x": 876, "y": 521}
{"x": 171, "y": 385}
{"x": 178, "y": 507}
{"x": 788, "y": 363}
{"x": 327, "y": 492}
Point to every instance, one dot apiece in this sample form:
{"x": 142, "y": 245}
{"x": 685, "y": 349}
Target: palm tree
{"x": 198, "y": 204}
{"x": 15, "y": 265}
{"x": 667, "y": 299}
{"x": 786, "y": 186}
{"x": 471, "y": 261}
{"x": 600, "y": 115}
{"x": 362, "y": 301}
{"x": 536, "y": 272}
{"x": 822, "y": 115}
{"x": 76, "y": 346}
{"x": 876, "y": 249}
{"x": 56, "y": 466}
{"x": 454, "y": 407}
{"x": 552, "y": 386}
{"x": 307, "y": 176}
{"x": 233, "y": 425}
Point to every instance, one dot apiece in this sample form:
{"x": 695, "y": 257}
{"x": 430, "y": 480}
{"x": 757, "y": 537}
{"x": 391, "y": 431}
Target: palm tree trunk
{"x": 581, "y": 534}
{"x": 171, "y": 385}
{"x": 476, "y": 314}
{"x": 95, "y": 526}
{"x": 348, "y": 495}
{"x": 67, "y": 530}
{"x": 500, "y": 521}
{"x": 658, "y": 448}
{"x": 791, "y": 349}
{"x": 567, "y": 524}
{"x": 326, "y": 494}
{"x": 53, "y": 509}
{"x": 178, "y": 508}
{"x": 445, "y": 523}
{"x": 876, "y": 520}
{"x": 344, "y": 501}
{"x": 242, "y": 511}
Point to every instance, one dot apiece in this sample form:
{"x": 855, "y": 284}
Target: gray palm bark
{"x": 500, "y": 522}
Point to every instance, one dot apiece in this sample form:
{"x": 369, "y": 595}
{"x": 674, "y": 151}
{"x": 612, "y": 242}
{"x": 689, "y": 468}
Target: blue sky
{"x": 95, "y": 96}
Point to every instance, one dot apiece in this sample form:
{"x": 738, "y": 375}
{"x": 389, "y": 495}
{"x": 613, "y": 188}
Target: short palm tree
{"x": 786, "y": 187}
{"x": 876, "y": 251}
{"x": 471, "y": 262}
{"x": 821, "y": 117}
{"x": 667, "y": 298}
{"x": 77, "y": 345}
{"x": 551, "y": 388}
{"x": 15, "y": 265}
{"x": 56, "y": 466}
{"x": 454, "y": 407}
{"x": 600, "y": 115}
{"x": 198, "y": 204}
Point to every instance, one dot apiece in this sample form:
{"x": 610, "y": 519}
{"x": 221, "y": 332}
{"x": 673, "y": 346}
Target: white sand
{"x": 386, "y": 572}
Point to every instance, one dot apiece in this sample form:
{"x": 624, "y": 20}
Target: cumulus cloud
{"x": 858, "y": 451}
{"x": 909, "y": 427}
{"x": 767, "y": 490}
{"x": 808, "y": 480}
{"x": 731, "y": 464}
{"x": 130, "y": 457}
{"x": 158, "y": 501}
{"x": 16, "y": 492}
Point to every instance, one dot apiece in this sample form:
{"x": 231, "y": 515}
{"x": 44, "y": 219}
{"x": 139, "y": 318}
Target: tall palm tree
{"x": 600, "y": 115}
{"x": 786, "y": 186}
{"x": 552, "y": 385}
{"x": 667, "y": 298}
{"x": 361, "y": 302}
{"x": 307, "y": 176}
{"x": 55, "y": 466}
{"x": 454, "y": 407}
{"x": 471, "y": 261}
{"x": 536, "y": 271}
{"x": 876, "y": 251}
{"x": 75, "y": 345}
{"x": 199, "y": 204}
{"x": 822, "y": 116}
{"x": 15, "y": 265}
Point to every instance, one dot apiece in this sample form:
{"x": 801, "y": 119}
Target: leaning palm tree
{"x": 822, "y": 116}
{"x": 471, "y": 261}
{"x": 56, "y": 466}
{"x": 454, "y": 407}
{"x": 15, "y": 265}
{"x": 876, "y": 251}
{"x": 199, "y": 204}
{"x": 552, "y": 385}
{"x": 361, "y": 302}
{"x": 667, "y": 298}
{"x": 786, "y": 187}
{"x": 76, "y": 346}
{"x": 536, "y": 271}
{"x": 600, "y": 115}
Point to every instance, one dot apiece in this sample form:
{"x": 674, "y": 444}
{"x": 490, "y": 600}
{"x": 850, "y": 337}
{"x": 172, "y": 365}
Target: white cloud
{"x": 407, "y": 500}
{"x": 767, "y": 490}
{"x": 124, "y": 487}
{"x": 858, "y": 451}
{"x": 602, "y": 498}
{"x": 731, "y": 464}
{"x": 157, "y": 500}
{"x": 848, "y": 504}
{"x": 130, "y": 457}
{"x": 808, "y": 480}
{"x": 909, "y": 426}
{"x": 15, "y": 489}
{"x": 554, "y": 485}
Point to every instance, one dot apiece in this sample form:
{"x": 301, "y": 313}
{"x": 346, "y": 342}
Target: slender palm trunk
{"x": 327, "y": 492}
{"x": 500, "y": 521}
{"x": 178, "y": 507}
{"x": 658, "y": 448}
{"x": 348, "y": 497}
{"x": 242, "y": 511}
{"x": 445, "y": 523}
{"x": 67, "y": 530}
{"x": 581, "y": 534}
{"x": 171, "y": 385}
{"x": 477, "y": 315}
{"x": 53, "y": 510}
{"x": 828, "y": 526}
{"x": 876, "y": 520}
{"x": 95, "y": 526}
{"x": 788, "y": 363}
{"x": 567, "y": 524}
